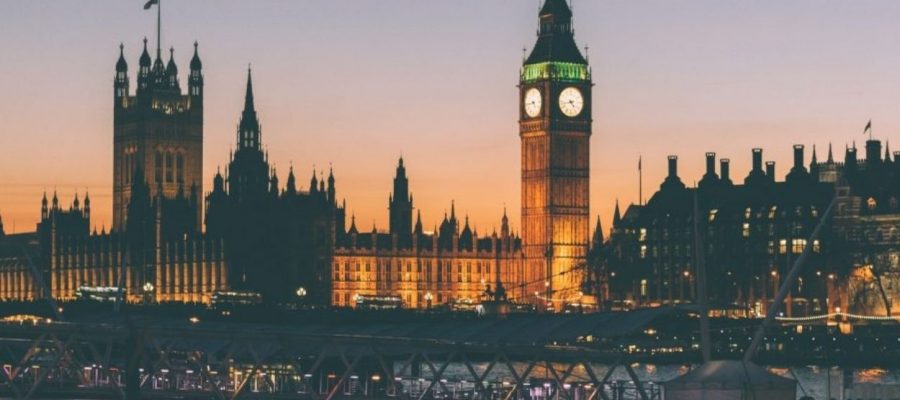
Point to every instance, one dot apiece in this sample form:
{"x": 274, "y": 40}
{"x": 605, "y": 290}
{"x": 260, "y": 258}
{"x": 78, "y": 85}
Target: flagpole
{"x": 640, "y": 181}
{"x": 158, "y": 26}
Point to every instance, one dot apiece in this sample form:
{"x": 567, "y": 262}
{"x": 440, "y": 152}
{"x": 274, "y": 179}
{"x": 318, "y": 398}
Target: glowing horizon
{"x": 357, "y": 84}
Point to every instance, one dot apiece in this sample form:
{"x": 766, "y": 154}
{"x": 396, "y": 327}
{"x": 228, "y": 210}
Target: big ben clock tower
{"x": 555, "y": 128}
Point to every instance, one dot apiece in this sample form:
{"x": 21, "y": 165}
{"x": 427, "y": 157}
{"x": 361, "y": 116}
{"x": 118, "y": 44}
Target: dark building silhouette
{"x": 400, "y": 204}
{"x": 277, "y": 240}
{"x": 158, "y": 130}
{"x": 751, "y": 234}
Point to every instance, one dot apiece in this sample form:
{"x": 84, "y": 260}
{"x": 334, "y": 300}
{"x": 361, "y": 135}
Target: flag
{"x": 150, "y": 3}
{"x": 868, "y": 127}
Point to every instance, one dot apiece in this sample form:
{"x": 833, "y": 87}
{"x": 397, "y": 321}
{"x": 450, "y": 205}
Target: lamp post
{"x": 148, "y": 292}
{"x": 301, "y": 294}
{"x": 428, "y": 298}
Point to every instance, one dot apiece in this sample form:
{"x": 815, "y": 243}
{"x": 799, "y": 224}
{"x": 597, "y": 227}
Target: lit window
{"x": 643, "y": 251}
{"x": 746, "y": 229}
{"x": 782, "y": 246}
{"x": 798, "y": 245}
{"x": 773, "y": 212}
{"x": 643, "y": 235}
{"x": 712, "y": 215}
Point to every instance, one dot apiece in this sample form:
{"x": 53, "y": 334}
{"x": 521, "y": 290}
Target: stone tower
{"x": 555, "y": 129}
{"x": 400, "y": 205}
{"x": 158, "y": 130}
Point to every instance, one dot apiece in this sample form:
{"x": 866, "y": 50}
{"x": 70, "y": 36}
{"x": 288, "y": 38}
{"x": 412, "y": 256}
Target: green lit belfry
{"x": 555, "y": 129}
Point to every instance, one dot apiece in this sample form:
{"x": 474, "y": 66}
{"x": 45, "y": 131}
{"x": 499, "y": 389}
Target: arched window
{"x": 871, "y": 203}
{"x": 159, "y": 167}
{"x": 179, "y": 166}
{"x": 170, "y": 168}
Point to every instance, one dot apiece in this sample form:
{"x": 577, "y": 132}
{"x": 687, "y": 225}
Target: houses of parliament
{"x": 174, "y": 241}
{"x": 253, "y": 234}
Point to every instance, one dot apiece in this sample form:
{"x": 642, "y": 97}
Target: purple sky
{"x": 358, "y": 82}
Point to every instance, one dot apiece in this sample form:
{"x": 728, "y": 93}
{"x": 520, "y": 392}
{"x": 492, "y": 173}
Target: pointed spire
{"x": 291, "y": 181}
{"x": 121, "y": 64}
{"x": 598, "y": 234}
{"x": 419, "y": 222}
{"x": 830, "y": 154}
{"x": 617, "y": 215}
{"x": 195, "y": 60}
{"x": 814, "y": 160}
{"x": 248, "y": 96}
{"x": 314, "y": 182}
{"x": 171, "y": 68}
{"x": 887, "y": 151}
{"x": 556, "y": 40}
{"x": 353, "y": 229}
{"x": 145, "y": 56}
{"x": 248, "y": 130}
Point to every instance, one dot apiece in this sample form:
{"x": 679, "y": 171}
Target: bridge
{"x": 532, "y": 356}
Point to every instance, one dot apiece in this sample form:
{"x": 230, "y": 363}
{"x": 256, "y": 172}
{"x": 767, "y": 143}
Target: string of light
{"x": 838, "y": 314}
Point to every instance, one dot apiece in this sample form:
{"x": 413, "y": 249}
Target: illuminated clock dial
{"x": 533, "y": 102}
{"x": 571, "y": 102}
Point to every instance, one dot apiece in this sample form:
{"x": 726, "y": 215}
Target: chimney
{"x": 673, "y": 166}
{"x": 757, "y": 159}
{"x": 710, "y": 164}
{"x": 798, "y": 156}
{"x": 770, "y": 170}
{"x": 725, "y": 168}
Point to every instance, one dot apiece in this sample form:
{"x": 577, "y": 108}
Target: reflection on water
{"x": 811, "y": 379}
{"x": 871, "y": 375}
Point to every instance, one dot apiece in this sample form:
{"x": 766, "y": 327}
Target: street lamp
{"x": 301, "y": 295}
{"x": 148, "y": 292}
{"x": 428, "y": 298}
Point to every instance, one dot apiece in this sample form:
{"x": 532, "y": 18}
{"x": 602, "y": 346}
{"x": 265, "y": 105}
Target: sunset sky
{"x": 357, "y": 83}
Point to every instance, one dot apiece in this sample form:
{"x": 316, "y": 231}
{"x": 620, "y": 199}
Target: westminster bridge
{"x": 114, "y": 355}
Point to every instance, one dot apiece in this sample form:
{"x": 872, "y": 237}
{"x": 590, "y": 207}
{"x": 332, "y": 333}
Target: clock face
{"x": 571, "y": 102}
{"x": 533, "y": 102}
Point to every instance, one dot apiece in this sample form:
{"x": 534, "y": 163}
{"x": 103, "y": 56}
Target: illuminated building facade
{"x": 751, "y": 234}
{"x": 425, "y": 269}
{"x": 555, "y": 130}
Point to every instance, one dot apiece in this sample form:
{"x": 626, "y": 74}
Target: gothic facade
{"x": 159, "y": 131}
{"x": 450, "y": 264}
{"x": 751, "y": 234}
{"x": 278, "y": 240}
{"x": 555, "y": 130}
